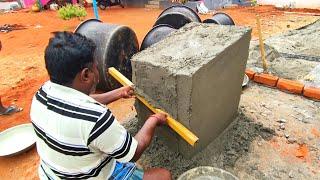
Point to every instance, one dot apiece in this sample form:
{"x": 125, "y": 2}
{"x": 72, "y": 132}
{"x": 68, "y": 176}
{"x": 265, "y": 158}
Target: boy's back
{"x": 77, "y": 137}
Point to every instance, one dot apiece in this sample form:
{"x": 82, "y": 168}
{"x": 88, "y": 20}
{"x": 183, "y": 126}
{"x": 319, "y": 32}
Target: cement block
{"x": 195, "y": 75}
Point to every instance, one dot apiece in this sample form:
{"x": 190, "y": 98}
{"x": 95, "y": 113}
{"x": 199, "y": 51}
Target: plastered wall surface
{"x": 195, "y": 75}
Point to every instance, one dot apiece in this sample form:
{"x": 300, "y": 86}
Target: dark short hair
{"x": 66, "y": 55}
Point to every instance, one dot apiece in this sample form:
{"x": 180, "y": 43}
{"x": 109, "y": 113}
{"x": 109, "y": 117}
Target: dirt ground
{"x": 275, "y": 136}
{"x": 22, "y": 72}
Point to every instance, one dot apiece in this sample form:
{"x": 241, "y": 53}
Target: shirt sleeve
{"x": 110, "y": 137}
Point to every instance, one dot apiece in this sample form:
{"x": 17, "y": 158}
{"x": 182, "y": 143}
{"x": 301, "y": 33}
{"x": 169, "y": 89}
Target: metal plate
{"x": 17, "y": 139}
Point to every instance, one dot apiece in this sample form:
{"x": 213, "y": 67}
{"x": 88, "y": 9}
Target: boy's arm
{"x": 145, "y": 134}
{"x": 109, "y": 97}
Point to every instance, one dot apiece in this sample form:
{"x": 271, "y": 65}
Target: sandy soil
{"x": 275, "y": 136}
{"x": 297, "y": 59}
{"x": 22, "y": 72}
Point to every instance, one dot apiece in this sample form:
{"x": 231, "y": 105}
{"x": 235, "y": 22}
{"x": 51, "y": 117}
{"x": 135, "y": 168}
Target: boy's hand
{"x": 161, "y": 118}
{"x": 126, "y": 92}
{"x": 146, "y": 133}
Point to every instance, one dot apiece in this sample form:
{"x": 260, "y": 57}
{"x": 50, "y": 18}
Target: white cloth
{"x": 76, "y": 136}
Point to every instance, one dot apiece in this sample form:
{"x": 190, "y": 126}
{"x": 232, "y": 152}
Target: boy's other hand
{"x": 161, "y": 118}
{"x": 127, "y": 92}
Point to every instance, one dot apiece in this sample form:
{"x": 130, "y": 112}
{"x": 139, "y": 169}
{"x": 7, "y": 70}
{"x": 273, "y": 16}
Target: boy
{"x": 77, "y": 136}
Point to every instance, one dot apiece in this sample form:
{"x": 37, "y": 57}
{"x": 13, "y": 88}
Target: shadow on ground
{"x": 224, "y": 152}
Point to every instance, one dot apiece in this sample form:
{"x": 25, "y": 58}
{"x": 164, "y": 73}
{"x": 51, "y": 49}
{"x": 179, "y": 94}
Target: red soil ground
{"x": 22, "y": 67}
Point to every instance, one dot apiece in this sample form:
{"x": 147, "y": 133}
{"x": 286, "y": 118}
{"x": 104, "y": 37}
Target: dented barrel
{"x": 116, "y": 45}
{"x": 177, "y": 16}
{"x": 156, "y": 34}
{"x": 220, "y": 18}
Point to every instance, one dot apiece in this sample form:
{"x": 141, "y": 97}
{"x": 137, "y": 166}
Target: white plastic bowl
{"x": 207, "y": 173}
{"x": 17, "y": 139}
{"x": 245, "y": 80}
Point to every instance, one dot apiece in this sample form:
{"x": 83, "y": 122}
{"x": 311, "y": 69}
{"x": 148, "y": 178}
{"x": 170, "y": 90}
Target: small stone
{"x": 291, "y": 140}
{"x": 282, "y": 171}
{"x": 310, "y": 138}
{"x": 291, "y": 175}
{"x": 282, "y": 126}
{"x": 231, "y": 152}
{"x": 287, "y": 135}
{"x": 313, "y": 148}
{"x": 254, "y": 168}
{"x": 263, "y": 114}
{"x": 259, "y": 144}
{"x": 257, "y": 69}
{"x": 38, "y": 26}
{"x": 301, "y": 141}
{"x": 276, "y": 175}
{"x": 304, "y": 120}
{"x": 282, "y": 121}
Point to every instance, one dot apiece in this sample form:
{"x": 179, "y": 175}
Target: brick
{"x": 312, "y": 92}
{"x": 290, "y": 86}
{"x": 250, "y": 73}
{"x": 266, "y": 79}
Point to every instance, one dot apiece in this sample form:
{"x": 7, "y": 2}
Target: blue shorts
{"x": 126, "y": 171}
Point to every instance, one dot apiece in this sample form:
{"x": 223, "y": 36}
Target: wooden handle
{"x": 262, "y": 50}
{"x": 185, "y": 133}
{"x": 119, "y": 77}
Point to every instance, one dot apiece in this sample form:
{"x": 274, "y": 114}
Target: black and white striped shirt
{"x": 77, "y": 138}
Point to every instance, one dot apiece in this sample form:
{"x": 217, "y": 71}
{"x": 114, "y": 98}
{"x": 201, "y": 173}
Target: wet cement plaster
{"x": 195, "y": 75}
{"x": 292, "y": 55}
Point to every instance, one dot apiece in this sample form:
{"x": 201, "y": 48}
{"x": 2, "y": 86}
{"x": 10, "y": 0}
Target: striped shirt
{"x": 77, "y": 137}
